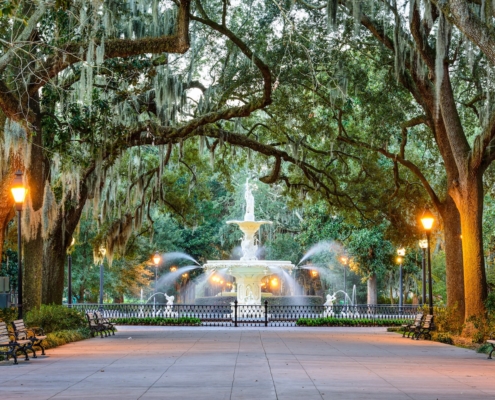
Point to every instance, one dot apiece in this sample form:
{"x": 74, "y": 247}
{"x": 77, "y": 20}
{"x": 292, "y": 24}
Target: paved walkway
{"x": 251, "y": 363}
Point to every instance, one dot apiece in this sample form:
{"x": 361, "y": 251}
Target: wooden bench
{"x": 425, "y": 328}
{"x": 11, "y": 346}
{"x": 34, "y": 334}
{"x": 492, "y": 343}
{"x": 411, "y": 327}
{"x": 94, "y": 325}
{"x": 105, "y": 322}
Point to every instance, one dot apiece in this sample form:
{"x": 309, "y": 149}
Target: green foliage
{"x": 483, "y": 328}
{"x": 447, "y": 321}
{"x": 443, "y": 337}
{"x": 8, "y": 315}
{"x": 331, "y": 321}
{"x": 62, "y": 337}
{"x": 54, "y": 318}
{"x": 157, "y": 321}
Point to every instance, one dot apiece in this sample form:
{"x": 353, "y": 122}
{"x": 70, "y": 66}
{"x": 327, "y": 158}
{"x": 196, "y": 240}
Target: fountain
{"x": 249, "y": 271}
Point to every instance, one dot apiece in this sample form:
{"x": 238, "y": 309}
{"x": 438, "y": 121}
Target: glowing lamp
{"x": 314, "y": 273}
{"x": 274, "y": 282}
{"x": 399, "y": 260}
{"x": 173, "y": 268}
{"x": 344, "y": 260}
{"x": 157, "y": 258}
{"x": 401, "y": 252}
{"x": 18, "y": 189}
{"x": 427, "y": 220}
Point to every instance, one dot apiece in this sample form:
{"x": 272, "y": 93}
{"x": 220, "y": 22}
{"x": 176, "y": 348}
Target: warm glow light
{"x": 401, "y": 252}
{"x": 185, "y": 275}
{"x": 423, "y": 243}
{"x": 173, "y": 268}
{"x": 18, "y": 189}
{"x": 427, "y": 219}
{"x": 215, "y": 278}
{"x": 221, "y": 282}
{"x": 344, "y": 260}
{"x": 399, "y": 260}
{"x": 157, "y": 258}
{"x": 314, "y": 273}
{"x": 274, "y": 282}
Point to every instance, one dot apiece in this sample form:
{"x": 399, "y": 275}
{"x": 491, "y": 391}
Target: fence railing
{"x": 256, "y": 315}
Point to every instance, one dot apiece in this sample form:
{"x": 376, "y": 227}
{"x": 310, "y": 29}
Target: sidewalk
{"x": 251, "y": 363}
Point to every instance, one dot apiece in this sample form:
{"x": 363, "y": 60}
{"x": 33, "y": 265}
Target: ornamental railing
{"x": 256, "y": 315}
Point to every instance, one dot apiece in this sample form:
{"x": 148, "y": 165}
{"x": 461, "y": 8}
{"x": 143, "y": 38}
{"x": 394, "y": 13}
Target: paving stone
{"x": 251, "y": 363}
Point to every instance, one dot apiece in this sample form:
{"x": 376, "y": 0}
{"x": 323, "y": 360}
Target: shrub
{"x": 8, "y": 315}
{"x": 56, "y": 318}
{"x": 59, "y": 338}
{"x": 160, "y": 321}
{"x": 443, "y": 337}
{"x": 331, "y": 321}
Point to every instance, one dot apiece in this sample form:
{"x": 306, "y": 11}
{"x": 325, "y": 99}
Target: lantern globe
{"x": 427, "y": 220}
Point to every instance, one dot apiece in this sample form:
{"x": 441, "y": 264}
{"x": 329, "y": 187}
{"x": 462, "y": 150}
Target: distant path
{"x": 252, "y": 363}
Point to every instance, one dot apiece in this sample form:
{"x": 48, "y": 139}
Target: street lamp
{"x": 424, "y": 245}
{"x": 69, "y": 272}
{"x": 401, "y": 253}
{"x": 102, "y": 252}
{"x": 156, "y": 260}
{"x": 344, "y": 260}
{"x": 19, "y": 193}
{"x": 427, "y": 220}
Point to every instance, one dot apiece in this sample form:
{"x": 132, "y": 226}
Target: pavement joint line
{"x": 235, "y": 365}
{"x": 171, "y": 365}
{"x": 302, "y": 366}
{"x": 86, "y": 377}
{"x": 269, "y": 365}
{"x": 100, "y": 368}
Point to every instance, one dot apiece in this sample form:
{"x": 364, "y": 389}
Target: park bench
{"x": 411, "y": 327}
{"x": 425, "y": 328}
{"x": 105, "y": 322}
{"x": 34, "y": 334}
{"x": 94, "y": 325}
{"x": 11, "y": 347}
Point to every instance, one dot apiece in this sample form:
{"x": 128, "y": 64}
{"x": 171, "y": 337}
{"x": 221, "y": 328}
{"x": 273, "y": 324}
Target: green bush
{"x": 8, "y": 315}
{"x": 54, "y": 318}
{"x": 330, "y": 321}
{"x": 443, "y": 337}
{"x": 59, "y": 338}
{"x": 157, "y": 321}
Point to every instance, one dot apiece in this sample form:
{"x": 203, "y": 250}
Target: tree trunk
{"x": 372, "y": 292}
{"x": 469, "y": 200}
{"x": 33, "y": 246}
{"x": 54, "y": 255}
{"x": 453, "y": 257}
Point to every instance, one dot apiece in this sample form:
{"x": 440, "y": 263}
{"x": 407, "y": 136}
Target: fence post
{"x": 235, "y": 312}
{"x": 266, "y": 312}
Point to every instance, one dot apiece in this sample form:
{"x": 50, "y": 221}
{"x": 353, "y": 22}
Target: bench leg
{"x": 42, "y": 348}
{"x": 24, "y": 351}
{"x": 490, "y": 355}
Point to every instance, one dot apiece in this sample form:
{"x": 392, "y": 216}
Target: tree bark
{"x": 453, "y": 257}
{"x": 468, "y": 197}
{"x": 33, "y": 247}
{"x": 372, "y": 292}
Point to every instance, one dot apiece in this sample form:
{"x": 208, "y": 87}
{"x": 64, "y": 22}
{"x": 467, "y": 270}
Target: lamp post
{"x": 427, "y": 220}
{"x": 19, "y": 193}
{"x": 156, "y": 260}
{"x": 102, "y": 251}
{"x": 400, "y": 253}
{"x": 69, "y": 273}
{"x": 344, "y": 260}
{"x": 424, "y": 245}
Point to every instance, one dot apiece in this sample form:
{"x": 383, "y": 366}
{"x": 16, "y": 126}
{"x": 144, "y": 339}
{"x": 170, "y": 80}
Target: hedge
{"x": 160, "y": 321}
{"x": 348, "y": 322}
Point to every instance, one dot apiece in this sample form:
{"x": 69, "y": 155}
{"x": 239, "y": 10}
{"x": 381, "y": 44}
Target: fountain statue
{"x": 249, "y": 271}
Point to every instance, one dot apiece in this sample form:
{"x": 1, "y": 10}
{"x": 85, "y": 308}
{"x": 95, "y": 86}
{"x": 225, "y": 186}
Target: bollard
{"x": 266, "y": 312}
{"x": 235, "y": 313}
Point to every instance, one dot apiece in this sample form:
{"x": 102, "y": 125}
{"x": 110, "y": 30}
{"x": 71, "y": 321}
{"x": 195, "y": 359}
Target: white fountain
{"x": 249, "y": 271}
